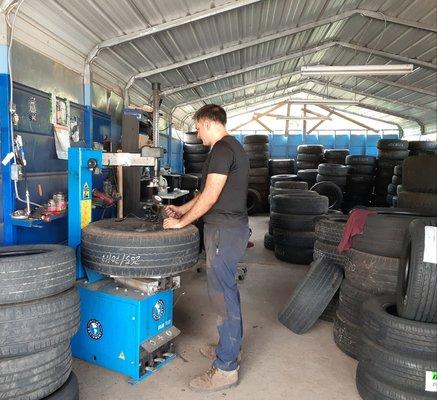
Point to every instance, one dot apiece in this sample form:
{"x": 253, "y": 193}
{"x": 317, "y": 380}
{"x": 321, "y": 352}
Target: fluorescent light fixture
{"x": 385, "y": 69}
{"x": 327, "y": 102}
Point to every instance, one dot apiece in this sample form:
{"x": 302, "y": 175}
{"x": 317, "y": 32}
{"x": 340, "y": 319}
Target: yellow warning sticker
{"x": 85, "y": 213}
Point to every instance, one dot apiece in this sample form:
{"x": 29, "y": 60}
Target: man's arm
{"x": 213, "y": 188}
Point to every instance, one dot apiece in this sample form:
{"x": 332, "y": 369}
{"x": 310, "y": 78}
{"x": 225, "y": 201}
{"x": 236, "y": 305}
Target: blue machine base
{"x": 124, "y": 330}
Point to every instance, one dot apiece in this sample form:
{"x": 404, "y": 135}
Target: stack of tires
{"x": 257, "y": 149}
{"x": 419, "y": 184}
{"x": 359, "y": 182}
{"x": 391, "y": 152}
{"x": 418, "y": 147}
{"x": 39, "y": 313}
{"x": 397, "y": 358}
{"x": 195, "y": 154}
{"x": 281, "y": 166}
{"x": 371, "y": 268}
{"x": 336, "y": 156}
{"x": 309, "y": 156}
{"x": 308, "y": 175}
{"x": 332, "y": 179}
{"x": 293, "y": 218}
{"x": 392, "y": 188}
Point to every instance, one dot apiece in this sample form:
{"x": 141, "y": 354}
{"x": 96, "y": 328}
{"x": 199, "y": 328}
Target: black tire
{"x": 360, "y": 160}
{"x": 293, "y": 255}
{"x": 256, "y": 148}
{"x": 300, "y": 204}
{"x": 296, "y": 239}
{"x": 264, "y": 172}
{"x": 281, "y": 166}
{"x": 264, "y": 162}
{"x": 254, "y": 201}
{"x": 306, "y": 165}
{"x": 196, "y": 149}
{"x": 426, "y": 202}
{"x": 422, "y": 147}
{"x": 194, "y": 166}
{"x": 290, "y": 185}
{"x": 29, "y": 272}
{"x": 330, "y": 229}
{"x": 361, "y": 170}
{"x": 332, "y": 169}
{"x": 338, "y": 180}
{"x": 346, "y": 336}
{"x": 391, "y": 189}
{"x": 137, "y": 248}
{"x": 332, "y": 191}
{"x": 381, "y": 325}
{"x": 393, "y": 154}
{"x": 293, "y": 222}
{"x": 388, "y": 164}
{"x": 269, "y": 241}
{"x": 68, "y": 391}
{"x": 264, "y": 156}
{"x": 328, "y": 251}
{"x": 275, "y": 191}
{"x": 329, "y": 312}
{"x": 42, "y": 323}
{"x": 308, "y": 175}
{"x": 311, "y": 297}
{"x": 310, "y": 157}
{"x": 310, "y": 149}
{"x": 258, "y": 179}
{"x": 192, "y": 138}
{"x": 361, "y": 179}
{"x": 372, "y": 273}
{"x": 351, "y": 300}
{"x": 392, "y": 144}
{"x": 262, "y": 188}
{"x": 282, "y": 178}
{"x": 420, "y": 174}
{"x": 248, "y": 139}
{"x": 417, "y": 279}
{"x": 337, "y": 153}
{"x": 398, "y": 170}
{"x": 195, "y": 157}
{"x": 37, "y": 375}
{"x": 189, "y": 182}
{"x": 396, "y": 180}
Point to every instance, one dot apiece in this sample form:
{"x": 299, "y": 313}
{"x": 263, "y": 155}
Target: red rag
{"x": 354, "y": 226}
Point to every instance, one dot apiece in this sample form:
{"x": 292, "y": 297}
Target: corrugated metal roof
{"x": 68, "y": 30}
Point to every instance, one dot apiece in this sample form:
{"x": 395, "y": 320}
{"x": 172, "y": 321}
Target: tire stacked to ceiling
{"x": 392, "y": 188}
{"x": 359, "y": 182}
{"x": 371, "y": 268}
{"x": 39, "y": 313}
{"x": 331, "y": 182}
{"x": 195, "y": 154}
{"x": 281, "y": 166}
{"x": 281, "y": 184}
{"x": 293, "y": 218}
{"x": 257, "y": 149}
{"x": 391, "y": 152}
{"x": 336, "y": 156}
{"x": 419, "y": 184}
{"x": 399, "y": 334}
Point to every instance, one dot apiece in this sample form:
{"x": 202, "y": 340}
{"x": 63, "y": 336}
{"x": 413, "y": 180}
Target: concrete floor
{"x": 276, "y": 363}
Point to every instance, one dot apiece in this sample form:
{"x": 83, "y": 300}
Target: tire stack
{"x": 359, "y": 182}
{"x": 309, "y": 156}
{"x": 195, "y": 154}
{"x": 418, "y": 147}
{"x": 399, "y": 334}
{"x": 281, "y": 166}
{"x": 335, "y": 174}
{"x": 419, "y": 184}
{"x": 293, "y": 218}
{"x": 392, "y": 188}
{"x": 391, "y": 152}
{"x": 308, "y": 175}
{"x": 371, "y": 268}
{"x": 257, "y": 149}
{"x": 336, "y": 156}
{"x": 39, "y": 313}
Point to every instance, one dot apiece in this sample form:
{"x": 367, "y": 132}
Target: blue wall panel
{"x": 101, "y": 126}
{"x": 342, "y": 141}
{"x": 328, "y": 141}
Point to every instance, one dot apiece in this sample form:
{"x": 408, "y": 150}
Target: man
{"x": 222, "y": 203}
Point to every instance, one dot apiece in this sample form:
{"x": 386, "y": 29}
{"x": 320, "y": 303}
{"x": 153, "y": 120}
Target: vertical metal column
{"x": 88, "y": 104}
{"x": 156, "y": 89}
{"x": 170, "y": 139}
{"x": 8, "y": 201}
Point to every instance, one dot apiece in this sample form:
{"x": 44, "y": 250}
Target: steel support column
{"x": 88, "y": 113}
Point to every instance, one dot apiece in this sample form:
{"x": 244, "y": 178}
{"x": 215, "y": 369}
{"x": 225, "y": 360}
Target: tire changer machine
{"x": 126, "y": 327}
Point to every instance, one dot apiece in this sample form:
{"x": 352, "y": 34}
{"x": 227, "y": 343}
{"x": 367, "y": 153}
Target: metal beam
{"x": 369, "y": 128}
{"x": 318, "y": 123}
{"x": 5, "y": 4}
{"x": 262, "y": 124}
{"x": 400, "y": 85}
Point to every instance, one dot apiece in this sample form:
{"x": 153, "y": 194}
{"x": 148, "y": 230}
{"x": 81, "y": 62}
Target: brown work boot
{"x": 213, "y": 380}
{"x": 208, "y": 351}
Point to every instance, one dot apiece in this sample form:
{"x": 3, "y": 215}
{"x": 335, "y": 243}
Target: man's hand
{"x": 173, "y": 212}
{"x": 173, "y": 223}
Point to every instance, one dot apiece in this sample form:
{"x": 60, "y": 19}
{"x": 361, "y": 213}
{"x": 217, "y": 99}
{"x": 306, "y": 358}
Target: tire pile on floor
{"x": 39, "y": 313}
{"x": 419, "y": 184}
{"x": 397, "y": 358}
{"x": 331, "y": 182}
{"x": 394, "y": 186}
{"x": 195, "y": 154}
{"x": 293, "y": 218}
{"x": 418, "y": 147}
{"x": 336, "y": 156}
{"x": 281, "y": 166}
{"x": 391, "y": 152}
{"x": 359, "y": 182}
{"x": 309, "y": 156}
{"x": 257, "y": 149}
{"x": 371, "y": 268}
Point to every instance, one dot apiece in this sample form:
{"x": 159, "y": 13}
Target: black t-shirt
{"x": 227, "y": 157}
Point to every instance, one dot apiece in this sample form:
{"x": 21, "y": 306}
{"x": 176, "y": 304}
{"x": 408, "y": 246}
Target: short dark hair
{"x": 213, "y": 112}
